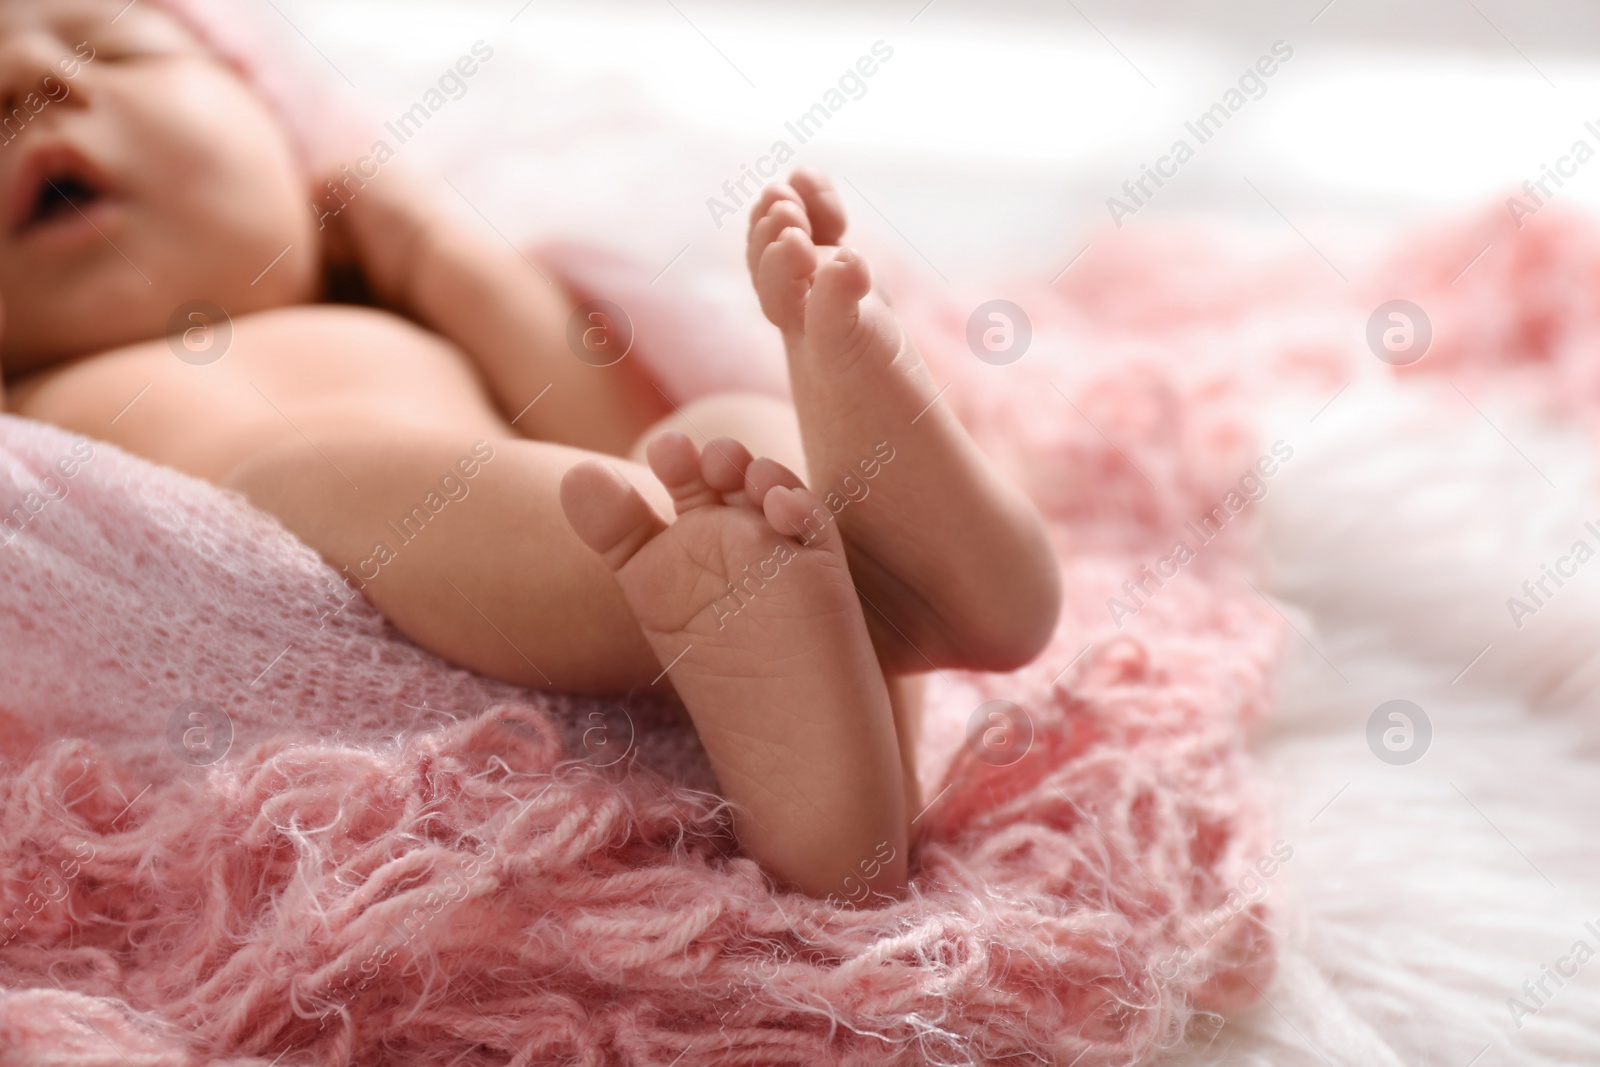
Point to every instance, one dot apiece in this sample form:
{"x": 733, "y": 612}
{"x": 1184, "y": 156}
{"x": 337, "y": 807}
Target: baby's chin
{"x": 121, "y": 304}
{"x": 39, "y": 340}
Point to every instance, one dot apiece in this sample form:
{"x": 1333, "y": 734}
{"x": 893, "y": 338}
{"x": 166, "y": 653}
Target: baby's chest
{"x": 197, "y": 399}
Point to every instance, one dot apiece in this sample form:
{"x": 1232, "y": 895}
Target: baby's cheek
{"x": 223, "y": 192}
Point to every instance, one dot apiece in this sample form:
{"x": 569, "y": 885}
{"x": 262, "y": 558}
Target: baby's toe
{"x": 676, "y": 462}
{"x": 607, "y": 512}
{"x": 797, "y": 512}
{"x": 842, "y": 281}
{"x": 783, "y": 278}
{"x": 783, "y": 215}
{"x": 773, "y": 195}
{"x": 823, "y": 204}
{"x": 765, "y": 474}
{"x": 834, "y": 305}
{"x": 722, "y": 465}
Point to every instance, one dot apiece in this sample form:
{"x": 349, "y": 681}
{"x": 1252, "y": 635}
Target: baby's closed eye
{"x": 136, "y": 35}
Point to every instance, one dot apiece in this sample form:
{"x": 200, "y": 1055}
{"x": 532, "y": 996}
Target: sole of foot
{"x": 751, "y": 609}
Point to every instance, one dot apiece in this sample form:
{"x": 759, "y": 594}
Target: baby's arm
{"x": 485, "y": 297}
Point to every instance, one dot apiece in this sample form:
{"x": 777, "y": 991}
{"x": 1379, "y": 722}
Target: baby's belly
{"x": 294, "y": 372}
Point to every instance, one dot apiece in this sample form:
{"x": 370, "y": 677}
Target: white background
{"x": 993, "y": 138}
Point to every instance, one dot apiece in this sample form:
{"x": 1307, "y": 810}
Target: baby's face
{"x": 137, "y": 173}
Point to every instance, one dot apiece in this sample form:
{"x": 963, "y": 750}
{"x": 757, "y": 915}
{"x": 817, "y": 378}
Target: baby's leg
{"x": 765, "y": 424}
{"x": 465, "y": 548}
{"x": 764, "y": 639}
{"x": 954, "y": 562}
{"x": 529, "y": 603}
{"x": 482, "y": 570}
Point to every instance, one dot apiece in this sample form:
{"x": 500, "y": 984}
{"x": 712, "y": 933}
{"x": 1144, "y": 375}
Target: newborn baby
{"x": 609, "y": 542}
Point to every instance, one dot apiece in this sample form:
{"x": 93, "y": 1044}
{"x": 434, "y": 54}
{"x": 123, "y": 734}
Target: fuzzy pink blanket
{"x": 243, "y": 821}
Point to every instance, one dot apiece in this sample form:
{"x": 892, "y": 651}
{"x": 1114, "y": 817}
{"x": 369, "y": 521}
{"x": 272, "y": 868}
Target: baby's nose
{"x": 30, "y": 63}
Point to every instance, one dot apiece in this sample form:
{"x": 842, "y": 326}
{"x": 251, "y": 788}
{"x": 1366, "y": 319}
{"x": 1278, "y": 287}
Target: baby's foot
{"x": 953, "y": 562}
{"x": 763, "y": 638}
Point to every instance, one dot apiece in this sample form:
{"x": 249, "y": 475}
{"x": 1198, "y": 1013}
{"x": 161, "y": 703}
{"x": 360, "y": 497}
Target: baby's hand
{"x": 380, "y": 227}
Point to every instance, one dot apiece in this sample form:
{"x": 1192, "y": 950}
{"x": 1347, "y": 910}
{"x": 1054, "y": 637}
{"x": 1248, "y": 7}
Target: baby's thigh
{"x": 764, "y": 424}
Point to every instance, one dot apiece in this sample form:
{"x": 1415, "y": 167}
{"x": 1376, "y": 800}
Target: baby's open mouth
{"x": 54, "y": 185}
{"x": 60, "y": 197}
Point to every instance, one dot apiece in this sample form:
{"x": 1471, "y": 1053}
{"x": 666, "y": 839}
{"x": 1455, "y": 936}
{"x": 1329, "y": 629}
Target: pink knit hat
{"x": 309, "y": 94}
